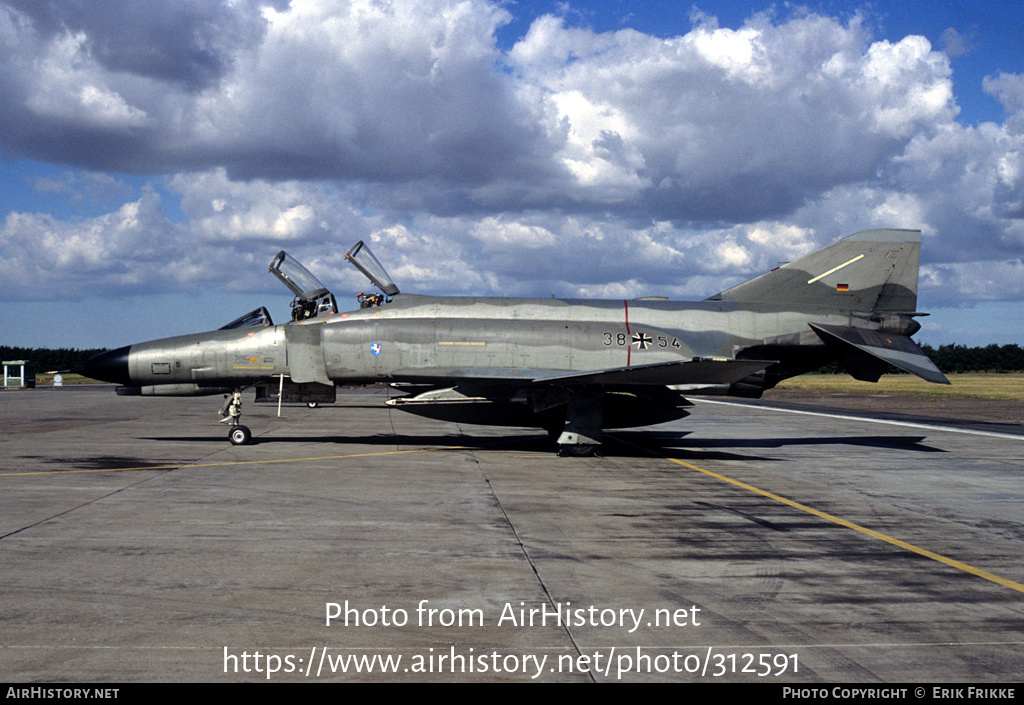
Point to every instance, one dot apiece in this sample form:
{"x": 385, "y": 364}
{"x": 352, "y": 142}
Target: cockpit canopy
{"x": 365, "y": 262}
{"x": 311, "y": 297}
{"x": 296, "y": 277}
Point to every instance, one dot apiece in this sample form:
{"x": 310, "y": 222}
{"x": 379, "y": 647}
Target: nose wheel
{"x": 239, "y": 435}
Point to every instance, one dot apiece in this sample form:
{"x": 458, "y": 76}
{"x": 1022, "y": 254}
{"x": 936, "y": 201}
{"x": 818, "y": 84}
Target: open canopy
{"x": 366, "y": 263}
{"x": 312, "y": 298}
{"x": 296, "y": 277}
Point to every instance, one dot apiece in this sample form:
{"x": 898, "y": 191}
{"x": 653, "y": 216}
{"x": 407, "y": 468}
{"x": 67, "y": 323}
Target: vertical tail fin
{"x": 874, "y": 270}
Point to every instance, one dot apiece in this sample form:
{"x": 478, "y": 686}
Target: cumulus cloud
{"x": 47, "y": 257}
{"x": 731, "y": 124}
{"x": 576, "y": 162}
{"x": 955, "y": 44}
{"x": 714, "y": 123}
{"x": 186, "y": 43}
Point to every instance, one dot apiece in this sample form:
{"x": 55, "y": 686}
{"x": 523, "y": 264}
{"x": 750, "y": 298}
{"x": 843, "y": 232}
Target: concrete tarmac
{"x": 742, "y": 544}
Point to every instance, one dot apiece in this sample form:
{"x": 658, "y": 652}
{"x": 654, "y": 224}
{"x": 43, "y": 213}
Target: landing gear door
{"x": 366, "y": 263}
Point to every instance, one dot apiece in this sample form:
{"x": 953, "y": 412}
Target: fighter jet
{"x": 571, "y": 367}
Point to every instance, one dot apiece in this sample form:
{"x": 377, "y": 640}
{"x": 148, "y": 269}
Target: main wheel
{"x": 566, "y": 450}
{"x": 239, "y": 435}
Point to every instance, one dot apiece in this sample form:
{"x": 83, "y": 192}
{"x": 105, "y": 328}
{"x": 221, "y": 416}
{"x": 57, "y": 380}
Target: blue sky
{"x": 155, "y": 157}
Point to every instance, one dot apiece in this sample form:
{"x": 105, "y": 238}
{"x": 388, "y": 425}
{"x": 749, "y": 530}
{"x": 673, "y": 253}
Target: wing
{"x": 695, "y": 371}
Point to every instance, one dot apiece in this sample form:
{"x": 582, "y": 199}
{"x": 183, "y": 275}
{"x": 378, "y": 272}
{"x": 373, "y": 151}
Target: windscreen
{"x": 259, "y": 317}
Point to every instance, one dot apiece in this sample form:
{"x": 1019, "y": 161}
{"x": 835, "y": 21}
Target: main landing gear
{"x": 239, "y": 435}
{"x": 581, "y": 436}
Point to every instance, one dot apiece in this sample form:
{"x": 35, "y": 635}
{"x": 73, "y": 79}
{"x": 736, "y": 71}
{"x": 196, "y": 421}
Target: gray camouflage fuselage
{"x": 421, "y": 337}
{"x": 570, "y": 366}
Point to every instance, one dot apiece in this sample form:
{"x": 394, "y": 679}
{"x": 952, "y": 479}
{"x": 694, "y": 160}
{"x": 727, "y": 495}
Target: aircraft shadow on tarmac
{"x": 718, "y": 448}
{"x": 106, "y": 462}
{"x": 407, "y": 442}
{"x": 623, "y": 444}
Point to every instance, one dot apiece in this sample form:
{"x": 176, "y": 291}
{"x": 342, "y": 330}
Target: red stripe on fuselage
{"x": 629, "y": 348}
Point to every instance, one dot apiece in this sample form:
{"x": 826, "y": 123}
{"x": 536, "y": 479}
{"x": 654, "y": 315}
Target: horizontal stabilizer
{"x": 696, "y": 371}
{"x": 897, "y": 350}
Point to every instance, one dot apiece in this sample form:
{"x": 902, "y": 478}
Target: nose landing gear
{"x": 239, "y": 435}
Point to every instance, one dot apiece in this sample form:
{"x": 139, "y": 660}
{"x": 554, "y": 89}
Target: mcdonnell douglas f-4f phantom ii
{"x": 571, "y": 367}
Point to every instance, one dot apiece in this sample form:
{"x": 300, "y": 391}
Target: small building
{"x": 19, "y": 374}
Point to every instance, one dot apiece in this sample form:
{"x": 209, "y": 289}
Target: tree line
{"x": 47, "y": 359}
{"x": 948, "y": 358}
{"x": 955, "y": 358}
{"x": 990, "y": 358}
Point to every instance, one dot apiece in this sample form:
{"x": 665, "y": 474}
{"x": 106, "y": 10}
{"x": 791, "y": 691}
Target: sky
{"x": 155, "y": 156}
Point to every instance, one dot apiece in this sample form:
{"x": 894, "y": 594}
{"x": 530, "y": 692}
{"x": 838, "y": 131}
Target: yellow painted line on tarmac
{"x": 857, "y": 527}
{"x": 232, "y": 462}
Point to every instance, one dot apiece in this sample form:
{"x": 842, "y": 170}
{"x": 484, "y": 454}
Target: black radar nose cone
{"x": 111, "y": 366}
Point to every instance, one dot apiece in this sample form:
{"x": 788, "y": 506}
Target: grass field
{"x": 45, "y": 379}
{"x": 1008, "y": 387}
